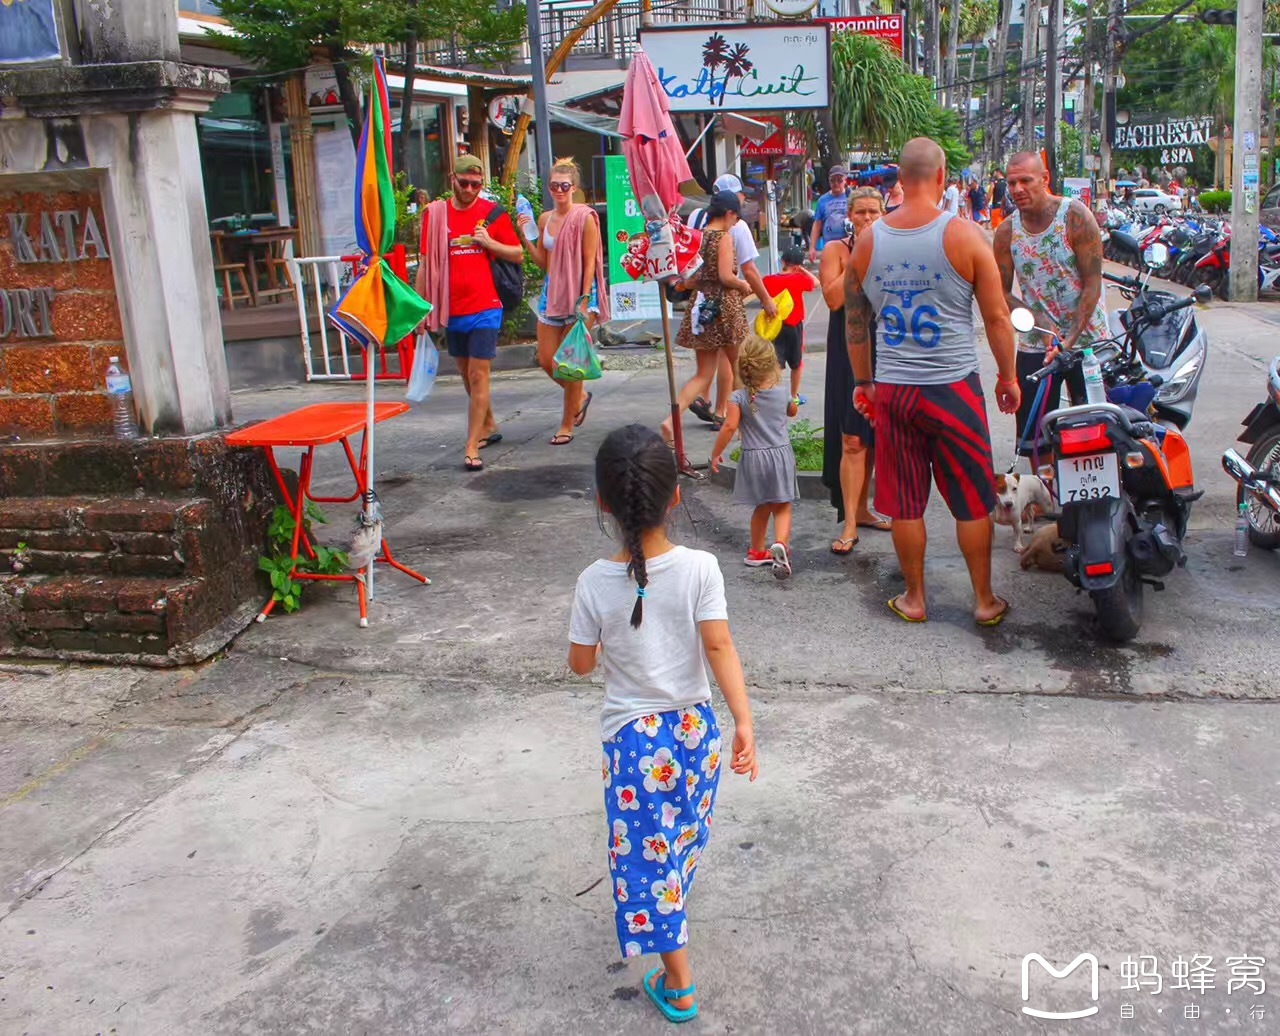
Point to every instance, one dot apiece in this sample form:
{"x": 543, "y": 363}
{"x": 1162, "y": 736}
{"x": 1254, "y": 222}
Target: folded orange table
{"x": 321, "y": 424}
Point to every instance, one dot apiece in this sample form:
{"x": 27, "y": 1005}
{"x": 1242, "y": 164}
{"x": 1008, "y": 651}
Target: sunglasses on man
{"x": 471, "y": 185}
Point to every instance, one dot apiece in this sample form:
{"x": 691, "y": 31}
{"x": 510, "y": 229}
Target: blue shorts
{"x": 475, "y": 336}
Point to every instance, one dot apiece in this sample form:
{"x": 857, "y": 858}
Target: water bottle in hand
{"x": 1242, "y": 532}
{"x": 523, "y": 209}
{"x": 120, "y": 392}
{"x": 1094, "y": 390}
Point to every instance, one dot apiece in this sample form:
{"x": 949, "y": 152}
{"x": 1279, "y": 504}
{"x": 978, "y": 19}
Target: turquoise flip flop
{"x": 661, "y": 995}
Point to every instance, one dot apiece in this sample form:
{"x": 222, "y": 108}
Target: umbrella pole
{"x": 677, "y": 430}
{"x": 370, "y": 471}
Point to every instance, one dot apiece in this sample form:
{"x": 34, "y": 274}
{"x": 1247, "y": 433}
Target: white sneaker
{"x": 781, "y": 561}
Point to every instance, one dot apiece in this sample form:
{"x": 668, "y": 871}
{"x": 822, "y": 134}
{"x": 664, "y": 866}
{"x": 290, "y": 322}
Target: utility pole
{"x": 1245, "y": 142}
{"x": 1052, "y": 91}
{"x": 541, "y": 116}
{"x": 1115, "y": 32}
{"x": 1086, "y": 149}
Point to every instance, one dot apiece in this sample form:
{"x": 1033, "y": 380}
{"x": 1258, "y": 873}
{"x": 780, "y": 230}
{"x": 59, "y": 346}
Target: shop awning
{"x": 603, "y": 125}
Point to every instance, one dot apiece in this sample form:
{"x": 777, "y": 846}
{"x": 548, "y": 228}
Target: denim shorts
{"x": 593, "y": 306}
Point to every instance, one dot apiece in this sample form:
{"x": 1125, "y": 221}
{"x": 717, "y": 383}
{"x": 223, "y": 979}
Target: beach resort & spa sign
{"x": 742, "y": 68}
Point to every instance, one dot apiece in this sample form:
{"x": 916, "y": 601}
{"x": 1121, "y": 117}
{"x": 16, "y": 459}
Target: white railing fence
{"x": 318, "y": 281}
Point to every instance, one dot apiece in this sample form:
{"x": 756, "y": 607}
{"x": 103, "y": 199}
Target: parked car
{"x": 1269, "y": 215}
{"x": 1148, "y": 199}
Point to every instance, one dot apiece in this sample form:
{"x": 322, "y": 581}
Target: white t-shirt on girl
{"x": 660, "y": 666}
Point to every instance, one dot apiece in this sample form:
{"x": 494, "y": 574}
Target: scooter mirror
{"x": 1156, "y": 255}
{"x": 1022, "y": 320}
{"x": 1203, "y": 294}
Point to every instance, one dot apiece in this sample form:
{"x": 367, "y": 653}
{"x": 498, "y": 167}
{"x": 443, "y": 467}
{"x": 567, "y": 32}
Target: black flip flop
{"x": 582, "y": 414}
{"x": 472, "y": 464}
{"x": 847, "y": 550}
{"x": 491, "y": 440}
{"x": 560, "y": 439}
{"x": 701, "y": 409}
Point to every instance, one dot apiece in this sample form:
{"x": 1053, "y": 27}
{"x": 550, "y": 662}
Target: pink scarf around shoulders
{"x": 564, "y": 278}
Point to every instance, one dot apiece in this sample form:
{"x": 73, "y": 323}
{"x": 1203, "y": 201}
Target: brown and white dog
{"x": 1020, "y": 500}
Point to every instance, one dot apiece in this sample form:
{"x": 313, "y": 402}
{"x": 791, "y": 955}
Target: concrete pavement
{"x": 399, "y": 829}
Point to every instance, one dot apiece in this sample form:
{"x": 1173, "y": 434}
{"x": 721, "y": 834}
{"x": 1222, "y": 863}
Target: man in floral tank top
{"x": 1053, "y": 247}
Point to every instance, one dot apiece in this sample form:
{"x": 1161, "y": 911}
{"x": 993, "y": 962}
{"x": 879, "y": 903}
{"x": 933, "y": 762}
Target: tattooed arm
{"x": 1086, "y": 242}
{"x": 858, "y": 314}
{"x": 1003, "y": 248}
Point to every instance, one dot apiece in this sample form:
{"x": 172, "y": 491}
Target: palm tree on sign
{"x": 715, "y": 53}
{"x": 736, "y": 65}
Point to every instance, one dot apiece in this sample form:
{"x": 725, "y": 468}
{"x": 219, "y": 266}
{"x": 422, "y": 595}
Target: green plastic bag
{"x": 576, "y": 359}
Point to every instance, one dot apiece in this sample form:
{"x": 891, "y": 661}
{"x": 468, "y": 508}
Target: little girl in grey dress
{"x": 766, "y": 476}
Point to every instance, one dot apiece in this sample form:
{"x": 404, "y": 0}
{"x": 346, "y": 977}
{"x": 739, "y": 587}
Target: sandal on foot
{"x": 582, "y": 414}
{"x": 491, "y": 440}
{"x": 844, "y": 547}
{"x": 897, "y": 610}
{"x": 701, "y": 409}
{"x": 560, "y": 439}
{"x": 661, "y": 996}
{"x": 880, "y": 525}
{"x": 472, "y": 464}
{"x": 996, "y": 619}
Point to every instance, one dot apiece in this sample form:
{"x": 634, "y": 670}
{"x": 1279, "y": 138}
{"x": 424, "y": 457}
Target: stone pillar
{"x": 129, "y": 121}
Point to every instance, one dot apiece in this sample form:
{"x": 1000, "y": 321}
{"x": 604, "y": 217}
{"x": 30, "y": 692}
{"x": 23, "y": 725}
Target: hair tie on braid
{"x": 640, "y": 591}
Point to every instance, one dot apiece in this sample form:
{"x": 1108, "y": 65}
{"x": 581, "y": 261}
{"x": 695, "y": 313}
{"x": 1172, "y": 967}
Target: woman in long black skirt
{"x": 849, "y": 457}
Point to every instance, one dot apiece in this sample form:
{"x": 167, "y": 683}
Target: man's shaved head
{"x": 1028, "y": 160}
{"x": 921, "y": 161}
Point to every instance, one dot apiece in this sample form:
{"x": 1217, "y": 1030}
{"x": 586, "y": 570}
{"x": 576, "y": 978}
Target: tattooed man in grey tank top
{"x": 916, "y": 277}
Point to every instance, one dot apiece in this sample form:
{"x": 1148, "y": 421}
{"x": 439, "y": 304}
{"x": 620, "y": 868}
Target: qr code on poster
{"x": 626, "y": 301}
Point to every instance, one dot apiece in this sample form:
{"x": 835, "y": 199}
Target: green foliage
{"x": 878, "y": 105}
{"x": 407, "y": 223}
{"x": 280, "y": 567}
{"x": 1215, "y": 201}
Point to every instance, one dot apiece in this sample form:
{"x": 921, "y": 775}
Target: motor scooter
{"x": 1124, "y": 481}
{"x": 1259, "y": 473}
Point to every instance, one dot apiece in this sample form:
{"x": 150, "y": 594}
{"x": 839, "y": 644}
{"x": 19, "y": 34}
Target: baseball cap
{"x": 838, "y": 170}
{"x": 728, "y": 182}
{"x": 725, "y": 201}
{"x": 468, "y": 164}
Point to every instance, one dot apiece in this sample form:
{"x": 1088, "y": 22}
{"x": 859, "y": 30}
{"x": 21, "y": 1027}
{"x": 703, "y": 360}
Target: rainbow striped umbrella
{"x": 379, "y": 308}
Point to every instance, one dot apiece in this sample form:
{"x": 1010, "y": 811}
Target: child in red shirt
{"x": 789, "y": 344}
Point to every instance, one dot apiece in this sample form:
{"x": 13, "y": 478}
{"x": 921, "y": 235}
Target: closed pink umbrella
{"x": 658, "y": 167}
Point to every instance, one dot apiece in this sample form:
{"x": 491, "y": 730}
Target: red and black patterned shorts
{"x": 938, "y": 429}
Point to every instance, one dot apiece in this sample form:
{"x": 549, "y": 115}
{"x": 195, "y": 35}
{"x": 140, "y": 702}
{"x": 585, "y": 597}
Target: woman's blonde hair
{"x": 757, "y": 367}
{"x": 568, "y": 165}
{"x": 858, "y": 193}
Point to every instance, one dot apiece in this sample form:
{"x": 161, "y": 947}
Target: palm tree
{"x": 737, "y": 64}
{"x": 715, "y": 52}
{"x": 877, "y": 104}
{"x": 1212, "y": 87}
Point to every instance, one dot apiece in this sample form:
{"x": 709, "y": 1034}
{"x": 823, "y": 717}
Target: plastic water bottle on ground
{"x": 120, "y": 391}
{"x": 1242, "y": 532}
{"x": 523, "y": 208}
{"x": 1094, "y": 390}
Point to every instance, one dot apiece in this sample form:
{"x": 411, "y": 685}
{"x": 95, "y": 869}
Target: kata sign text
{"x": 742, "y": 68}
{"x": 65, "y": 236}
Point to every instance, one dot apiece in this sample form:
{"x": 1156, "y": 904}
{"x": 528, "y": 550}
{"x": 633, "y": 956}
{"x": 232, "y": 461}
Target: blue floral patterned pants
{"x": 660, "y": 778}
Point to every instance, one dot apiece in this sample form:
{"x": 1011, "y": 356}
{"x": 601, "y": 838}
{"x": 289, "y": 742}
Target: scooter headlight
{"x": 1180, "y": 384}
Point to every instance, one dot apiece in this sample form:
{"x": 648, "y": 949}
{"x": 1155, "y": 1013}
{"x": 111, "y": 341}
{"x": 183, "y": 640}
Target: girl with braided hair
{"x": 654, "y": 615}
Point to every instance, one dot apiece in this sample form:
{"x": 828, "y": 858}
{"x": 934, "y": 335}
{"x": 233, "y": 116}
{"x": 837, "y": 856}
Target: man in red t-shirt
{"x": 795, "y": 280}
{"x": 473, "y": 319}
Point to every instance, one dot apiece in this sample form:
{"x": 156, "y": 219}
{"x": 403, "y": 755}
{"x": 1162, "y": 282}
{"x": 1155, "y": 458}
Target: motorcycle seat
{"x": 1271, "y": 249}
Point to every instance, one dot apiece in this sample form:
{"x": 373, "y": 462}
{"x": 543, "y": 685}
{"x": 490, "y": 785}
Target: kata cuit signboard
{"x": 742, "y": 68}
{"x": 887, "y": 27}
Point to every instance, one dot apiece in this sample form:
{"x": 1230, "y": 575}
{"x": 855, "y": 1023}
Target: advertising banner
{"x": 28, "y": 32}
{"x": 1177, "y": 137}
{"x": 742, "y": 68}
{"x": 887, "y": 27}
{"x": 630, "y": 299}
{"x": 1079, "y": 188}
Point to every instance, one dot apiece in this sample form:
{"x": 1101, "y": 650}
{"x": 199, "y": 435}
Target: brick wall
{"x": 56, "y": 280}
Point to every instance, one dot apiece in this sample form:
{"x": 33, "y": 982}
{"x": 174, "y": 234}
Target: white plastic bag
{"x": 426, "y": 363}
